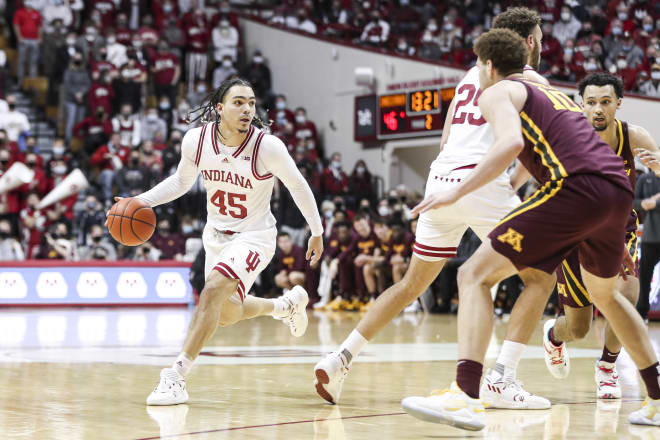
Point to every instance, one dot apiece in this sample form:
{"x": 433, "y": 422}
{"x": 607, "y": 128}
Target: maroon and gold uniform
{"x": 294, "y": 261}
{"x": 570, "y": 286}
{"x": 585, "y": 198}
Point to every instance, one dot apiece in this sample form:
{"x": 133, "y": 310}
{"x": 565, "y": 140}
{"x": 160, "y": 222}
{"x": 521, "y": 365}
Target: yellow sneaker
{"x": 450, "y": 407}
{"x": 649, "y": 414}
{"x": 334, "y": 305}
{"x": 354, "y": 305}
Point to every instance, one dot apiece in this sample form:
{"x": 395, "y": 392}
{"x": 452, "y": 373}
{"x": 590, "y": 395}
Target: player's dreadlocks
{"x": 209, "y": 112}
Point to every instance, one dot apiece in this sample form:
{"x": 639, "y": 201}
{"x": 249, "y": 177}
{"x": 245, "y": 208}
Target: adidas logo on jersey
{"x": 225, "y": 160}
{"x": 246, "y": 158}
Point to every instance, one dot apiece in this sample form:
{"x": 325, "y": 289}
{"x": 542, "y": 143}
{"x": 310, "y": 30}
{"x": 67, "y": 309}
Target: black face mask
{"x": 96, "y": 238}
{"x": 31, "y": 164}
{"x": 4, "y": 235}
{"x": 135, "y": 162}
{"x": 4, "y": 162}
{"x": 11, "y": 106}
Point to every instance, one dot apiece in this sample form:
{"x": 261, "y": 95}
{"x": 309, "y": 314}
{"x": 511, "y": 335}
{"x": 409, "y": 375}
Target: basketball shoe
{"x": 296, "y": 313}
{"x": 607, "y": 380}
{"x": 556, "y": 358}
{"x": 648, "y": 414}
{"x": 451, "y": 407}
{"x": 170, "y": 391}
{"x": 330, "y": 373}
{"x": 507, "y": 393}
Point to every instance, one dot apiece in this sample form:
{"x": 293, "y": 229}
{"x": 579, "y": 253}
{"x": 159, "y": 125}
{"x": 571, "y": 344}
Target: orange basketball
{"x": 131, "y": 221}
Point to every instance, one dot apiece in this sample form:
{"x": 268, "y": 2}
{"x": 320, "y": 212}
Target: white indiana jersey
{"x": 470, "y": 136}
{"x": 237, "y": 195}
{"x": 238, "y": 180}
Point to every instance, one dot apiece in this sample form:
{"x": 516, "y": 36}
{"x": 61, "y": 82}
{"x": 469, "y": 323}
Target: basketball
{"x": 131, "y": 221}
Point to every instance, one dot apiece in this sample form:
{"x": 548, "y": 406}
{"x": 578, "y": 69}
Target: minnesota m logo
{"x": 561, "y": 289}
{"x": 513, "y": 238}
{"x": 252, "y": 261}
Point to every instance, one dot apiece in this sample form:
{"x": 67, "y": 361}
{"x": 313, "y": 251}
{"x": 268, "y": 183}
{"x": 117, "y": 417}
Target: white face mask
{"x": 655, "y": 74}
{"x": 224, "y": 24}
{"x": 402, "y": 47}
{"x": 360, "y": 170}
{"x": 201, "y": 89}
{"x": 280, "y": 105}
{"x": 590, "y": 66}
{"x": 448, "y": 26}
{"x": 565, "y": 16}
{"x": 227, "y": 63}
{"x": 328, "y": 214}
{"x": 112, "y": 40}
{"x": 623, "y": 16}
{"x": 336, "y": 164}
{"x": 187, "y": 229}
{"x": 258, "y": 60}
{"x": 621, "y": 63}
{"x": 383, "y": 210}
{"x": 648, "y": 27}
{"x": 58, "y": 151}
{"x": 300, "y": 119}
{"x": 616, "y": 30}
{"x": 432, "y": 27}
{"x": 59, "y": 169}
{"x": 152, "y": 116}
{"x": 568, "y": 51}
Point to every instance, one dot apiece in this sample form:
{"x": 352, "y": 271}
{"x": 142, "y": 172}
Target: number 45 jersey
{"x": 238, "y": 180}
{"x": 469, "y": 136}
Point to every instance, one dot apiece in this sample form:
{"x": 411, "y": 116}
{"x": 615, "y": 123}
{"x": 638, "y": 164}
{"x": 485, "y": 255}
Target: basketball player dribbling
{"x": 579, "y": 175}
{"x": 238, "y": 163}
{"x": 465, "y": 140}
{"x": 601, "y": 97}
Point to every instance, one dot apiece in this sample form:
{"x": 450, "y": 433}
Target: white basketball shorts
{"x": 241, "y": 256}
{"x": 439, "y": 231}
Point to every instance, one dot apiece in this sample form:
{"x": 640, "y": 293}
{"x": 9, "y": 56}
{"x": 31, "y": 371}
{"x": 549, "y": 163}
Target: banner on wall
{"x": 94, "y": 283}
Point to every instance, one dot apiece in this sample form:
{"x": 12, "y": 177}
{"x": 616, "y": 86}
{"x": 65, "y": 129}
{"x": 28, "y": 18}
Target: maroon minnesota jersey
{"x": 560, "y": 142}
{"x": 624, "y": 151}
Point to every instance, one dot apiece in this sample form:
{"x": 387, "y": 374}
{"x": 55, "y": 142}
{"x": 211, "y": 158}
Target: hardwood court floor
{"x": 85, "y": 374}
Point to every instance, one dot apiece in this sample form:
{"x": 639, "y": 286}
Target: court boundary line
{"x": 268, "y": 425}
{"x": 297, "y": 422}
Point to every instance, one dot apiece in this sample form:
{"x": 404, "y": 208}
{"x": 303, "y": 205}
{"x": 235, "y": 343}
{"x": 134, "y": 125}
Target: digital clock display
{"x": 413, "y": 113}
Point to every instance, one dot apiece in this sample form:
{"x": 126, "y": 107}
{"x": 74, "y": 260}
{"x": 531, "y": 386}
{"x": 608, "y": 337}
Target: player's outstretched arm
{"x": 644, "y": 147}
{"x": 500, "y": 112}
{"x": 182, "y": 180}
{"x": 276, "y": 159}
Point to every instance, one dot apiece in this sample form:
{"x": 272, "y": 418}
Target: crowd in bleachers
{"x": 125, "y": 74}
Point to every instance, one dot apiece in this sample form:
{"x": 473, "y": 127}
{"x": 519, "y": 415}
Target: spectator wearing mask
{"x": 147, "y": 252}
{"x": 109, "y": 158}
{"x": 101, "y": 94}
{"x": 377, "y": 31}
{"x": 258, "y": 74}
{"x": 171, "y": 244}
{"x": 14, "y": 122}
{"x": 10, "y": 248}
{"x": 281, "y": 114}
{"x": 327, "y": 217}
{"x": 225, "y": 70}
{"x": 76, "y": 85}
{"x": 623, "y": 15}
{"x": 171, "y": 156}
{"x": 106, "y": 10}
{"x": 101, "y": 66}
{"x": 151, "y": 158}
{"x": 551, "y": 50}
{"x": 613, "y": 35}
{"x": 567, "y": 27}
{"x": 334, "y": 180}
{"x": 196, "y": 29}
{"x": 652, "y": 86}
{"x": 28, "y": 28}
{"x": 644, "y": 34}
{"x": 175, "y": 37}
{"x": 98, "y": 247}
{"x": 303, "y": 22}
{"x": 91, "y": 215}
{"x": 360, "y": 185}
{"x": 403, "y": 47}
{"x": 152, "y": 124}
{"x": 305, "y": 129}
{"x": 9, "y": 201}
{"x": 225, "y": 41}
{"x": 128, "y": 126}
{"x": 632, "y": 54}
{"x": 148, "y": 34}
{"x": 33, "y": 224}
{"x": 291, "y": 263}
{"x": 59, "y": 151}
{"x": 647, "y": 194}
{"x": 166, "y": 70}
{"x": 38, "y": 184}
{"x": 90, "y": 41}
{"x": 134, "y": 178}
{"x": 180, "y": 117}
{"x": 58, "y": 244}
{"x": 447, "y": 34}
{"x": 640, "y": 79}
{"x": 132, "y": 77}
{"x": 164, "y": 10}
{"x": 429, "y": 47}
{"x": 123, "y": 32}
{"x": 53, "y": 44}
{"x": 94, "y": 130}
{"x": 116, "y": 52}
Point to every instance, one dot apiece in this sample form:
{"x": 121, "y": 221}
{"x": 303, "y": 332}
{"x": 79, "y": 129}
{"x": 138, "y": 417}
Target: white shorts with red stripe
{"x": 240, "y": 256}
{"x": 439, "y": 231}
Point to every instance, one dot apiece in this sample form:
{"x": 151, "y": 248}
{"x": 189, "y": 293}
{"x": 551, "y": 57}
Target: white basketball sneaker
{"x": 170, "y": 391}
{"x": 607, "y": 380}
{"x": 450, "y": 407}
{"x": 499, "y": 392}
{"x": 330, "y": 373}
{"x": 556, "y": 358}
{"x": 296, "y": 318}
{"x": 649, "y": 414}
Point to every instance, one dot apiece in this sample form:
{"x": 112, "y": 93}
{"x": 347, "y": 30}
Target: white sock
{"x": 509, "y": 358}
{"x": 183, "y": 364}
{"x": 280, "y": 308}
{"x": 353, "y": 345}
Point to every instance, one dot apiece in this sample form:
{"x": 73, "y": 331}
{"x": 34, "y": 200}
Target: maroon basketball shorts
{"x": 571, "y": 289}
{"x": 587, "y": 212}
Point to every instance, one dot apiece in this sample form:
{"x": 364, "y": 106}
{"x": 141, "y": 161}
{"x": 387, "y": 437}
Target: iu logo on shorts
{"x": 252, "y": 261}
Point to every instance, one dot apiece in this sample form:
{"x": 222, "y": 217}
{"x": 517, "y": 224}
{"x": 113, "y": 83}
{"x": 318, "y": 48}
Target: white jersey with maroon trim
{"x": 238, "y": 180}
{"x": 470, "y": 136}
{"x": 128, "y": 129}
